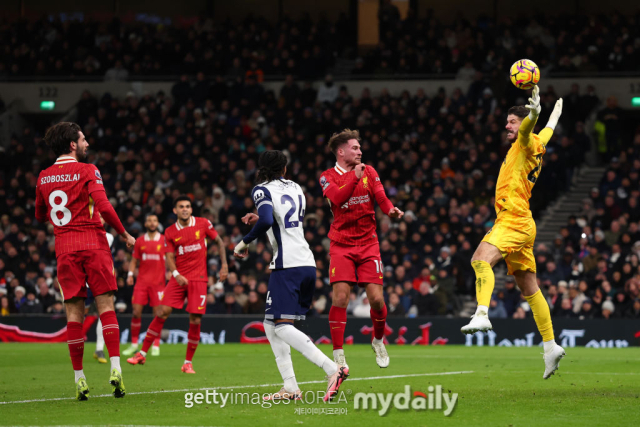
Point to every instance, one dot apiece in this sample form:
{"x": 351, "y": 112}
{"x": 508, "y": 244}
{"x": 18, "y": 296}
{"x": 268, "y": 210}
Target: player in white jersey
{"x": 281, "y": 205}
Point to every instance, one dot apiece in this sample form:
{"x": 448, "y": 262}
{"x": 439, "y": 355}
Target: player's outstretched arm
{"x": 262, "y": 225}
{"x": 528, "y": 123}
{"x": 546, "y": 133}
{"x": 382, "y": 199}
{"x": 224, "y": 267}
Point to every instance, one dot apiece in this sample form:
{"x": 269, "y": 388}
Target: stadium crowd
{"x": 119, "y": 51}
{"x": 438, "y": 157}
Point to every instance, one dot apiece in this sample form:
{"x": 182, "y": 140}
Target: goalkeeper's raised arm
{"x": 524, "y": 133}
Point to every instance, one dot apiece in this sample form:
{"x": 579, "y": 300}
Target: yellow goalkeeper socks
{"x": 485, "y": 281}
{"x": 541, "y": 315}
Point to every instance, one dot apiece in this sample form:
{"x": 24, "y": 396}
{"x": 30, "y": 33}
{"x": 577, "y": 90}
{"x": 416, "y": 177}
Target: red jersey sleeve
{"x": 169, "y": 246}
{"x": 136, "y": 250}
{"x": 94, "y": 179}
{"x": 99, "y": 196}
{"x": 338, "y": 196}
{"x": 41, "y": 206}
{"x": 379, "y": 193}
{"x": 210, "y": 231}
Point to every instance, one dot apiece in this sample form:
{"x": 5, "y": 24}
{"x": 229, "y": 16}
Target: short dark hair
{"x": 60, "y": 136}
{"x": 338, "y": 139}
{"x": 181, "y": 198}
{"x": 271, "y": 164}
{"x": 518, "y": 110}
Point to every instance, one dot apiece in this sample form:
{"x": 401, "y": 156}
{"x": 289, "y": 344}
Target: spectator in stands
{"x": 496, "y": 308}
{"x": 117, "y": 73}
{"x": 394, "y": 307}
{"x": 328, "y": 91}
{"x": 511, "y": 296}
{"x": 426, "y": 302}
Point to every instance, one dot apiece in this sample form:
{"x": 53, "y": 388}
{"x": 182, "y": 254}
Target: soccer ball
{"x": 524, "y": 74}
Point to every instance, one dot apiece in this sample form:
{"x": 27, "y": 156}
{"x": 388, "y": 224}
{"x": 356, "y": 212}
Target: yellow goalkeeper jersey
{"x": 520, "y": 170}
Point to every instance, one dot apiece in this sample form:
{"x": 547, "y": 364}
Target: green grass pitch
{"x": 496, "y": 386}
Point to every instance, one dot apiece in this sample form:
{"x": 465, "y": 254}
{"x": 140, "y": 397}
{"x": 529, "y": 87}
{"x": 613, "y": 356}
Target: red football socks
{"x": 379, "y": 318}
{"x": 194, "y": 339}
{"x": 337, "y": 323}
{"x": 75, "y": 341}
{"x": 153, "y": 333}
{"x": 136, "y": 323}
{"x": 111, "y": 332}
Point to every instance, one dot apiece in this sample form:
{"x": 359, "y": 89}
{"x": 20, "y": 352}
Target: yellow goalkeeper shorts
{"x": 514, "y": 237}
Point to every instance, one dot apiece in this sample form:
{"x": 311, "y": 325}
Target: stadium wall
{"x": 28, "y": 96}
{"x": 216, "y": 329}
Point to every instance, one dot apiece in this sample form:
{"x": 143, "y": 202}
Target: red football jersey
{"x": 150, "y": 254}
{"x": 65, "y": 189}
{"x": 190, "y": 246}
{"x": 354, "y": 220}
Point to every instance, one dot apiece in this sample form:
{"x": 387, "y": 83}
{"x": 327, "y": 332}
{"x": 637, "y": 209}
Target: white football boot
{"x": 479, "y": 323}
{"x": 552, "y": 360}
{"x": 382, "y": 358}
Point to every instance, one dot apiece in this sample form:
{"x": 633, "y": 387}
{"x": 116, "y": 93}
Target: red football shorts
{"x": 195, "y": 292}
{"x": 146, "y": 293}
{"x": 79, "y": 268}
{"x": 356, "y": 264}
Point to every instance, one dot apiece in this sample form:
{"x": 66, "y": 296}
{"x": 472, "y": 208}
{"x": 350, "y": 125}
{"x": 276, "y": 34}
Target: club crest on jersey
{"x": 198, "y": 235}
{"x": 159, "y": 247}
{"x": 258, "y": 195}
{"x": 365, "y": 182}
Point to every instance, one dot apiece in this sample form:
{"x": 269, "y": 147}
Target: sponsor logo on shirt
{"x": 358, "y": 200}
{"x": 189, "y": 248}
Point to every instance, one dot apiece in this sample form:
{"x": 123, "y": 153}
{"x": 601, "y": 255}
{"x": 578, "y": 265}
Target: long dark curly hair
{"x": 271, "y": 165}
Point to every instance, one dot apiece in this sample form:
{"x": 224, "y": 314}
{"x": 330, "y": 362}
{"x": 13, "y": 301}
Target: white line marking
{"x": 242, "y": 386}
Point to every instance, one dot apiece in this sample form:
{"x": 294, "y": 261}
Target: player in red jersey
{"x": 186, "y": 252}
{"x": 149, "y": 288}
{"x": 351, "y": 187}
{"x": 70, "y": 194}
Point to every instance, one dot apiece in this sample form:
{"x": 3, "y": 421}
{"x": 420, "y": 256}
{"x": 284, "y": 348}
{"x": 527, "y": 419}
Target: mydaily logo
{"x": 417, "y": 401}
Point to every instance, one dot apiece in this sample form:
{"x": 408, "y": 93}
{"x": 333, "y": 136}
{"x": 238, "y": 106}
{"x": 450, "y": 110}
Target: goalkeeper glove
{"x": 534, "y": 104}
{"x": 555, "y": 115}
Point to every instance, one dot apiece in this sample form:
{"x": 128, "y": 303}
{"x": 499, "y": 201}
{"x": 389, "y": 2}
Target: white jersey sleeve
{"x": 286, "y": 235}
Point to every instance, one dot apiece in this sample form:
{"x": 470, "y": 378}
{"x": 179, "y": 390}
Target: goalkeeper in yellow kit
{"x": 514, "y": 231}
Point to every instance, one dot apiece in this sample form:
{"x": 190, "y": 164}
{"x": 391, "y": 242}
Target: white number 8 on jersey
{"x": 62, "y": 207}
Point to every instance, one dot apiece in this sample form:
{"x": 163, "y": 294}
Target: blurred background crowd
{"x": 438, "y": 155}
{"x": 306, "y": 48}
